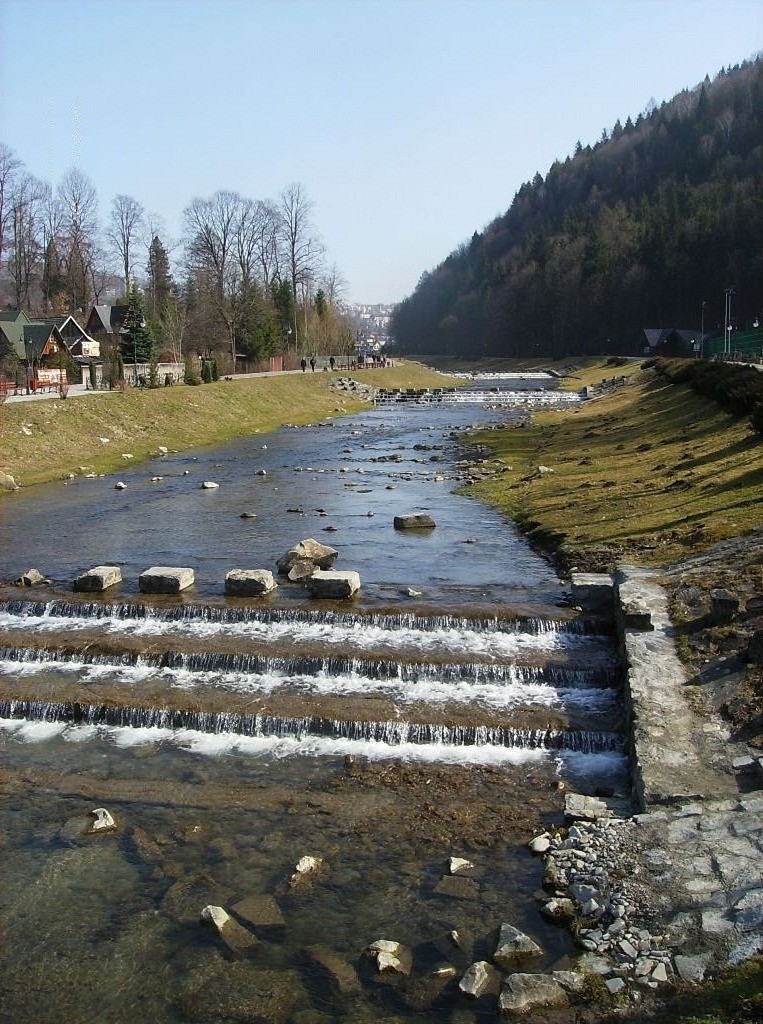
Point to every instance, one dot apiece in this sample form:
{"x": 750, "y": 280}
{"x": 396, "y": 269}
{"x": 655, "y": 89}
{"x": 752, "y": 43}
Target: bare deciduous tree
{"x": 215, "y": 249}
{"x": 10, "y": 168}
{"x": 302, "y": 248}
{"x": 79, "y": 211}
{"x": 126, "y": 223}
{"x": 26, "y": 235}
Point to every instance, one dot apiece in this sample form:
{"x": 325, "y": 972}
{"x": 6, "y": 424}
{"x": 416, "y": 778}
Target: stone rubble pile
{"x": 354, "y": 387}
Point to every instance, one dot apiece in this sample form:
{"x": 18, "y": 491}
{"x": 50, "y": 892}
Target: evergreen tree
{"x": 160, "y": 283}
{"x": 137, "y": 341}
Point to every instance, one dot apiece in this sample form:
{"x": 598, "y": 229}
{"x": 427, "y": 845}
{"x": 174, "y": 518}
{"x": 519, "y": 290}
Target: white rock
{"x": 103, "y": 820}
{"x": 457, "y": 865}
{"x": 209, "y": 485}
{"x": 541, "y": 844}
{"x": 514, "y": 945}
{"x": 307, "y": 864}
{"x": 215, "y": 916}
{"x": 120, "y": 486}
{"x": 479, "y": 978}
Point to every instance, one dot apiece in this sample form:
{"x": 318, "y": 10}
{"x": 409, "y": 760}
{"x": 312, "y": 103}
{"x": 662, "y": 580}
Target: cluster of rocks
{"x": 310, "y": 562}
{"x": 354, "y": 387}
{"x": 592, "y": 882}
{"x": 444, "y": 968}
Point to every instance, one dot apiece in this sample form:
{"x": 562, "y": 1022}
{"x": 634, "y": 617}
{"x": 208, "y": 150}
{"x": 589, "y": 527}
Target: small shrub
{"x": 206, "y": 372}
{"x": 191, "y": 376}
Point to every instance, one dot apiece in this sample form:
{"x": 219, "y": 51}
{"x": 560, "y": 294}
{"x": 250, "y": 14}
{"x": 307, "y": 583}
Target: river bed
{"x": 364, "y": 735}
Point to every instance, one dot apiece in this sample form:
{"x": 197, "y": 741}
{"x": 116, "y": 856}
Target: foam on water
{"x": 497, "y": 695}
{"x": 219, "y": 744}
{"x": 455, "y": 641}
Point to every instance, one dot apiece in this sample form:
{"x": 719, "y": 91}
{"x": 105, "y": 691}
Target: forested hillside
{"x": 639, "y": 230}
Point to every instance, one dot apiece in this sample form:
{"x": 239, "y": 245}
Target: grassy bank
{"x": 48, "y": 440}
{"x": 574, "y": 373}
{"x": 651, "y": 472}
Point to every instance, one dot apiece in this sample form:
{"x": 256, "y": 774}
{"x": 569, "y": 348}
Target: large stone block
{"x": 329, "y": 583}
{"x": 100, "y": 577}
{"x": 165, "y": 579}
{"x": 249, "y": 582}
{"x": 414, "y": 521}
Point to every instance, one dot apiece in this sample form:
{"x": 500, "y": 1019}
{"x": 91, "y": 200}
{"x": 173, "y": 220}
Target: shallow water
{"x": 106, "y": 927}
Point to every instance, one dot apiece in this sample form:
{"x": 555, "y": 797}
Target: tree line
{"x": 252, "y": 278}
{"x": 646, "y": 228}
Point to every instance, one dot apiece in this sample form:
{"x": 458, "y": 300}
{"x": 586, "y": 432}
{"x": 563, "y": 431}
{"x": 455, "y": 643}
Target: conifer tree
{"x": 137, "y": 342}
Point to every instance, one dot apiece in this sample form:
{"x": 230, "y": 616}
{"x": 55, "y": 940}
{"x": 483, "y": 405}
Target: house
{"x": 79, "y": 343}
{"x": 33, "y": 351}
{"x": 672, "y": 341}
{"x": 106, "y": 326}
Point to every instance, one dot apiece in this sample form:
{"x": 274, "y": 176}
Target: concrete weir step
{"x": 676, "y": 753}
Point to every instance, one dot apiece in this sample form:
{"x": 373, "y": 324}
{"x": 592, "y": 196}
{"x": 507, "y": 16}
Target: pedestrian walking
{"x": 312, "y": 363}
{"x": 303, "y": 364}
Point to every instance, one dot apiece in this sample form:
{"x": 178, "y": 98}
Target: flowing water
{"x": 435, "y": 715}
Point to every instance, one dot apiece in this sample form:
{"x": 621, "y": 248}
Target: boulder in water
{"x": 514, "y": 946}
{"x": 333, "y": 584}
{"x": 31, "y": 578}
{"x": 342, "y": 977}
{"x": 249, "y": 582}
{"x": 100, "y": 577}
{"x": 480, "y": 979}
{"x": 460, "y": 866}
{"x": 104, "y": 822}
{"x": 165, "y": 579}
{"x": 261, "y": 911}
{"x": 414, "y": 521}
{"x": 300, "y": 571}
{"x": 390, "y": 956}
{"x": 308, "y": 550}
{"x": 209, "y": 485}
{"x": 522, "y": 992}
{"x": 306, "y": 869}
{"x": 237, "y": 938}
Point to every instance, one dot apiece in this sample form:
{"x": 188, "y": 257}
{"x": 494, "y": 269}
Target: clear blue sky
{"x": 410, "y": 123}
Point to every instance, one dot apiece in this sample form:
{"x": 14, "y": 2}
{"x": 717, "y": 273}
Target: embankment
{"x": 651, "y": 472}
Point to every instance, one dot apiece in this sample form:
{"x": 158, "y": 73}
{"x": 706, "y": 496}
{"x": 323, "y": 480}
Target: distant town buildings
{"x": 373, "y": 320}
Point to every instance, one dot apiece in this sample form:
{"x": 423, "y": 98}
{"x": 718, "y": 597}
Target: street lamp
{"x": 702, "y": 331}
{"x": 728, "y": 292}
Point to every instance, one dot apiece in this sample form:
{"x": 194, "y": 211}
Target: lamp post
{"x": 728, "y": 292}
{"x": 702, "y": 331}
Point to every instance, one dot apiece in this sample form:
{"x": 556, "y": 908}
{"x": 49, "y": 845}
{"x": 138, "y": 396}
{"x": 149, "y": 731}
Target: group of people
{"x": 303, "y": 364}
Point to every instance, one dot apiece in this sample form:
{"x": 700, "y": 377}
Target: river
{"x": 438, "y": 714}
